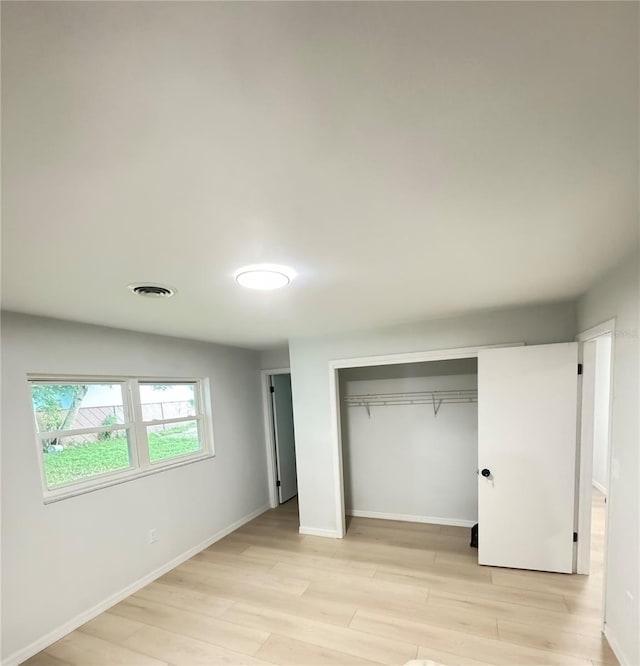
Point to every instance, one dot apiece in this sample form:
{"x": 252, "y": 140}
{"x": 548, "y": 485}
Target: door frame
{"x": 586, "y": 469}
{"x": 334, "y": 403}
{"x": 269, "y": 437}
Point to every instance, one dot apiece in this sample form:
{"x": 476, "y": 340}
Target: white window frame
{"x": 140, "y": 464}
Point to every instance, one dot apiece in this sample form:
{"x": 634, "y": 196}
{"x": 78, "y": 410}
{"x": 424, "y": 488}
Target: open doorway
{"x": 595, "y": 455}
{"x": 280, "y": 437}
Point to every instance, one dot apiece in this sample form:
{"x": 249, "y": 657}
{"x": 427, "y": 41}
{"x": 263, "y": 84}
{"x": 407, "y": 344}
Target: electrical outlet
{"x": 153, "y": 535}
{"x": 629, "y": 595}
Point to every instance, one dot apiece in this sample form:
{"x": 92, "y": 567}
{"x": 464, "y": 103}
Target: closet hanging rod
{"x": 414, "y": 397}
{"x": 435, "y": 398}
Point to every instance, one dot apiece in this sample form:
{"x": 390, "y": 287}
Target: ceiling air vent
{"x": 152, "y": 290}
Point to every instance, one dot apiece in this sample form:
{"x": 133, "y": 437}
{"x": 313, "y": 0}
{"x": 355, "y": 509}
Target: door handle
{"x": 486, "y": 473}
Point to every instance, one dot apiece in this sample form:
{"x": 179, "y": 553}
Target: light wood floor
{"x": 389, "y": 592}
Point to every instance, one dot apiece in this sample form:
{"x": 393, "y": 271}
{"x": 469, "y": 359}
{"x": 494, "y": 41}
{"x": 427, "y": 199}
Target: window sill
{"x": 62, "y": 494}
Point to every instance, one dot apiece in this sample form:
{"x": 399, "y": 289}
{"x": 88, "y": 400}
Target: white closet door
{"x": 527, "y": 414}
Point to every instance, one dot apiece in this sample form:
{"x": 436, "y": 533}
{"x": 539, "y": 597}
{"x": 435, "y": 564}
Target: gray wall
{"x": 618, "y": 295}
{"x": 310, "y": 377}
{"x": 404, "y": 462}
{"x": 62, "y": 559}
{"x": 274, "y": 359}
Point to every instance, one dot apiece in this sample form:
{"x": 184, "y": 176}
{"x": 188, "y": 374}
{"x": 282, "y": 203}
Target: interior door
{"x": 527, "y": 418}
{"x": 284, "y": 436}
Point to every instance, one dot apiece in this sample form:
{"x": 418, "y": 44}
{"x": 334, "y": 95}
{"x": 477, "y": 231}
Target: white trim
{"x": 599, "y": 486}
{"x": 56, "y": 634}
{"x": 605, "y": 328}
{"x": 317, "y": 531}
{"x": 409, "y": 518}
{"x": 177, "y": 419}
{"x": 270, "y": 444}
{"x": 336, "y": 445}
{"x": 51, "y": 434}
{"x": 585, "y": 480}
{"x": 615, "y": 646}
{"x": 334, "y": 402}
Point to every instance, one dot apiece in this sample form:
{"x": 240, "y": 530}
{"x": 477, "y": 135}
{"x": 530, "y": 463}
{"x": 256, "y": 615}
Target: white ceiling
{"x": 409, "y": 160}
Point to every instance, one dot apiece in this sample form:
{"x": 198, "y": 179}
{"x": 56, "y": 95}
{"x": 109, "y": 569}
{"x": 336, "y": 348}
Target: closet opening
{"x": 397, "y": 375}
{"x": 410, "y": 441}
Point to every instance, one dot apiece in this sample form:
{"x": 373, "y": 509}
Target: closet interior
{"x": 410, "y": 441}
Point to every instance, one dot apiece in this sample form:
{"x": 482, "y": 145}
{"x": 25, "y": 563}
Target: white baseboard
{"x": 600, "y": 487}
{"x": 615, "y": 646}
{"x": 316, "y": 531}
{"x": 45, "y": 641}
{"x": 409, "y": 518}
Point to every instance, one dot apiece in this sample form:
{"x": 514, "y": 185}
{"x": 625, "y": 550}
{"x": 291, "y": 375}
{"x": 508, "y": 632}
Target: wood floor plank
{"x": 459, "y": 620}
{"x": 208, "y": 629}
{"x": 333, "y": 563}
{"x": 182, "y": 650}
{"x": 293, "y": 542}
{"x": 517, "y": 612}
{"x": 229, "y": 546}
{"x": 540, "y": 581}
{"x": 45, "y": 659}
{"x": 196, "y": 601}
{"x": 464, "y": 558}
{"x": 375, "y": 648}
{"x": 290, "y": 652}
{"x": 368, "y": 598}
{"x": 447, "y": 658}
{"x": 387, "y": 591}
{"x": 474, "y": 623}
{"x": 461, "y": 570}
{"x": 557, "y": 640}
{"x": 212, "y": 570}
{"x": 382, "y": 554}
{"x": 328, "y": 610}
{"x": 111, "y": 628}
{"x": 454, "y": 530}
{"x": 236, "y": 561}
{"x": 313, "y": 573}
{"x": 461, "y": 643}
{"x": 589, "y": 605}
{"x": 81, "y": 649}
{"x": 480, "y": 589}
{"x": 393, "y": 526}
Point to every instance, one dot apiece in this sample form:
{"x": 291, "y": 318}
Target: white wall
{"x": 310, "y": 378}
{"x": 618, "y": 295}
{"x": 601, "y": 413}
{"x": 406, "y": 461}
{"x": 62, "y": 559}
{"x": 274, "y": 359}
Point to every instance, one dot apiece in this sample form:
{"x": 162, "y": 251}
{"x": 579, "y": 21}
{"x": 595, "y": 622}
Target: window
{"x": 93, "y": 432}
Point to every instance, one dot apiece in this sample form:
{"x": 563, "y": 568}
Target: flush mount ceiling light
{"x": 151, "y": 290}
{"x": 264, "y": 276}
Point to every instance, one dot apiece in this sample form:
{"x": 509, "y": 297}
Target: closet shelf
{"x": 434, "y": 398}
